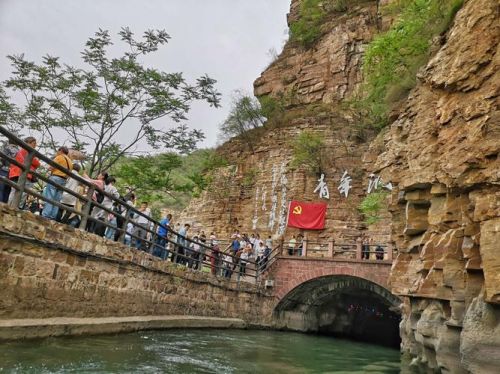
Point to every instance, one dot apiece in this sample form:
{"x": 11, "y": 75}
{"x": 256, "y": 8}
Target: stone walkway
{"x": 14, "y": 329}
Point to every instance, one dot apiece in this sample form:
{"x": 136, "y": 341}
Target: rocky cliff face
{"x": 253, "y": 193}
{"x": 442, "y": 153}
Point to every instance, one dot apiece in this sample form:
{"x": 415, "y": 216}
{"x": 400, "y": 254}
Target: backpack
{"x": 99, "y": 197}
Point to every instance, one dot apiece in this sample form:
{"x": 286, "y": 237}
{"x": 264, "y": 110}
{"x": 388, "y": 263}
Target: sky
{"x": 229, "y": 40}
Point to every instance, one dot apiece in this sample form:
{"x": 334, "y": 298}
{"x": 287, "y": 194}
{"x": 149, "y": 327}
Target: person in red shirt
{"x": 15, "y": 171}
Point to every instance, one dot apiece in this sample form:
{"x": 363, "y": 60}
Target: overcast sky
{"x": 227, "y": 39}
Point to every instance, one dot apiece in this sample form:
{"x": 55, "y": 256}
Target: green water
{"x": 197, "y": 351}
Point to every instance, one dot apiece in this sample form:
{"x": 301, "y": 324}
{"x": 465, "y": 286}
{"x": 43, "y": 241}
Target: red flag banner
{"x": 310, "y": 216}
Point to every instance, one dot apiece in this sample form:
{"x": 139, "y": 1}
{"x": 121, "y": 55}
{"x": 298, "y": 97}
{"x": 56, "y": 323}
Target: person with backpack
{"x": 10, "y": 150}
{"x": 70, "y": 200}
{"x": 98, "y": 196}
{"x": 103, "y": 215}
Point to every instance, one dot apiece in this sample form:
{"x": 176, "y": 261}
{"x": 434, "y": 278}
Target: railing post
{"x": 389, "y": 253}
{"x": 359, "y": 248}
{"x": 86, "y": 208}
{"x": 21, "y": 181}
{"x": 304, "y": 246}
{"x": 154, "y": 236}
{"x": 257, "y": 271}
{"x": 121, "y": 238}
{"x": 239, "y": 271}
{"x": 331, "y": 248}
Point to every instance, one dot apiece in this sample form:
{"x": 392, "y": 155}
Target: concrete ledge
{"x": 17, "y": 329}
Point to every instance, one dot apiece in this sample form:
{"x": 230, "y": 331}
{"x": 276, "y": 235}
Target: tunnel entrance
{"x": 342, "y": 306}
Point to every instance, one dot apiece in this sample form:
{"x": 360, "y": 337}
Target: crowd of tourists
{"x": 169, "y": 241}
{"x": 109, "y": 218}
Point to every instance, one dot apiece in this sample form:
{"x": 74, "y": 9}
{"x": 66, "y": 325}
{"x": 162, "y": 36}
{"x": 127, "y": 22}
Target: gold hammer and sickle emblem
{"x": 297, "y": 210}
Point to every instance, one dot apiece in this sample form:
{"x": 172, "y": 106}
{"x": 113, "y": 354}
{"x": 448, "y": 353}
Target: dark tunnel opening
{"x": 359, "y": 316}
{"x": 342, "y": 306}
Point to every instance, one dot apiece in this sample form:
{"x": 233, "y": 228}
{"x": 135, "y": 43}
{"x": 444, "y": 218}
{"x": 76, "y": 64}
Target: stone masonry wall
{"x": 443, "y": 155}
{"x": 81, "y": 275}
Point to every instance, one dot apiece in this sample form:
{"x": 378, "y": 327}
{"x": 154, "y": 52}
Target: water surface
{"x": 197, "y": 351}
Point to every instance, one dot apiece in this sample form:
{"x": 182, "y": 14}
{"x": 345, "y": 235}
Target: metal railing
{"x": 179, "y": 249}
{"x": 330, "y": 249}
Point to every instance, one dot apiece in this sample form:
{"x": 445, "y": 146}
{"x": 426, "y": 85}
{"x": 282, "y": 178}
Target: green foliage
{"x": 149, "y": 176}
{"x": 307, "y": 29}
{"x": 308, "y": 149}
{"x": 312, "y": 14}
{"x": 168, "y": 180}
{"x": 393, "y": 58}
{"x": 110, "y": 96}
{"x": 371, "y": 205}
{"x": 7, "y": 112}
{"x": 212, "y": 160}
{"x": 249, "y": 177}
{"x": 245, "y": 115}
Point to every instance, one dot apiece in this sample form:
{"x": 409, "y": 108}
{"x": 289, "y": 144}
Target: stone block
{"x": 490, "y": 249}
{"x": 416, "y": 219}
{"x": 418, "y": 197}
{"x": 44, "y": 269}
{"x": 437, "y": 210}
{"x": 439, "y": 189}
{"x": 486, "y": 205}
{"x": 480, "y": 337}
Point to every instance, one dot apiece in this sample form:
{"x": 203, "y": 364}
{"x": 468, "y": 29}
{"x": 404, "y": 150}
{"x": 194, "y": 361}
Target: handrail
{"x": 214, "y": 255}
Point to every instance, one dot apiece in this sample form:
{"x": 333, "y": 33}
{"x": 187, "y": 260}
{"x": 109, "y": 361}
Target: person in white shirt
{"x": 227, "y": 264}
{"x": 141, "y": 225}
{"x": 244, "y": 258}
{"x": 67, "y": 198}
{"x": 194, "y": 263}
{"x": 101, "y": 214}
{"x": 260, "y": 253}
{"x": 128, "y": 233}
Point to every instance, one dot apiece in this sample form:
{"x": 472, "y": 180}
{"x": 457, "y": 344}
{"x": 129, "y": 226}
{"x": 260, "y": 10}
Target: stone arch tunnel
{"x": 340, "y": 297}
{"x": 344, "y": 306}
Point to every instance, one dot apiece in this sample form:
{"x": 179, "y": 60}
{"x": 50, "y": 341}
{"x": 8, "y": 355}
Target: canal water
{"x": 198, "y": 351}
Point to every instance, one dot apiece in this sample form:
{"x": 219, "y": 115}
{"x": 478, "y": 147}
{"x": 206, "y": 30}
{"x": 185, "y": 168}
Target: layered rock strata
{"x": 252, "y": 194}
{"x": 442, "y": 153}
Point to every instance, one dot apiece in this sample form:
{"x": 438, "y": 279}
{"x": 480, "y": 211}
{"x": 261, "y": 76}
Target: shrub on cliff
{"x": 308, "y": 148}
{"x": 306, "y": 30}
{"x": 245, "y": 115}
{"x": 372, "y": 205}
{"x": 393, "y": 58}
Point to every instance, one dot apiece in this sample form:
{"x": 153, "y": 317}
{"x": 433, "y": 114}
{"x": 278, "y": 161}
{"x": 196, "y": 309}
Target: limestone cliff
{"x": 442, "y": 153}
{"x": 252, "y": 193}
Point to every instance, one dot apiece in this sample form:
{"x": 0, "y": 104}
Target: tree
{"x": 245, "y": 115}
{"x": 308, "y": 149}
{"x": 112, "y": 97}
{"x": 169, "y": 179}
{"x": 8, "y": 112}
{"x": 148, "y": 175}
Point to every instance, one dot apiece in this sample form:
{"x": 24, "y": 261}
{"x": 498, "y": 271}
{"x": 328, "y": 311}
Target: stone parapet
{"x": 50, "y": 270}
{"x": 17, "y": 329}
